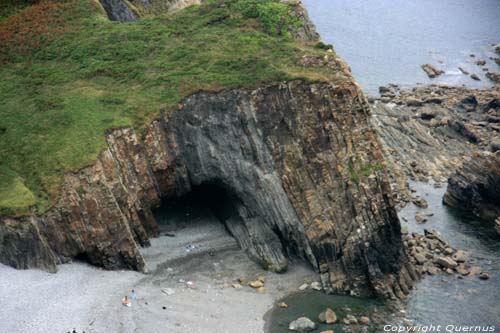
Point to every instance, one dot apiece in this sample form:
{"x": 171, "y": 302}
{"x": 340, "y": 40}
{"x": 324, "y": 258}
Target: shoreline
{"x": 90, "y": 299}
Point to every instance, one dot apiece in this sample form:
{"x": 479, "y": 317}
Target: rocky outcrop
{"x": 119, "y": 10}
{"x": 306, "y": 31}
{"x": 414, "y": 126}
{"x": 132, "y": 10}
{"x": 475, "y": 187}
{"x": 431, "y": 71}
{"x": 298, "y": 160}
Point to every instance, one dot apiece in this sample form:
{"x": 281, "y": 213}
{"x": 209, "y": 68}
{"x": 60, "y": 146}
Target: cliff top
{"x": 69, "y": 74}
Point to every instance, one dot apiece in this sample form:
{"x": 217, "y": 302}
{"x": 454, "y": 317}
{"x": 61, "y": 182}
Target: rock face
{"x": 475, "y": 186}
{"x": 119, "y": 10}
{"x": 300, "y": 166}
{"x": 298, "y": 161}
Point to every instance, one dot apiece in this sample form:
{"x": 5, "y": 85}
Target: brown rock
{"x": 493, "y": 76}
{"x": 283, "y": 305}
{"x": 420, "y": 219}
{"x": 256, "y": 284}
{"x": 364, "y": 320}
{"x": 328, "y": 316}
{"x": 446, "y": 262}
{"x": 431, "y": 71}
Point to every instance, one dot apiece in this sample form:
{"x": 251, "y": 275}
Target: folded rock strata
{"x": 298, "y": 160}
{"x": 475, "y": 186}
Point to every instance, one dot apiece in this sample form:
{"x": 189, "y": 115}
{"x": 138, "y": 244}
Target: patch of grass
{"x": 15, "y": 197}
{"x": 365, "y": 170}
{"x": 67, "y": 87}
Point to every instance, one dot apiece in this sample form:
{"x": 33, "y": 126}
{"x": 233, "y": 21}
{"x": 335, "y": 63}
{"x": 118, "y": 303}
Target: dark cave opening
{"x": 198, "y": 218}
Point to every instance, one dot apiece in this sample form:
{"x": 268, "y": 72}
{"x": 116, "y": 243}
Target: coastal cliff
{"x": 297, "y": 158}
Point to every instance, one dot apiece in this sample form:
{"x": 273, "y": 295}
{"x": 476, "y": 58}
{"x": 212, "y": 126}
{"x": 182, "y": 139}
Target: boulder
{"x": 283, "y": 305}
{"x": 420, "y": 202}
{"x": 302, "y": 324}
{"x": 316, "y": 286}
{"x": 484, "y": 276}
{"x": 420, "y": 258}
{"x": 364, "y": 320}
{"x": 256, "y": 284}
{"x": 428, "y": 114}
{"x": 446, "y": 262}
{"x": 412, "y": 101}
{"x": 431, "y": 71}
{"x": 328, "y": 316}
{"x": 460, "y": 256}
{"x": 493, "y": 76}
{"x": 420, "y": 219}
{"x": 350, "y": 320}
{"x": 475, "y": 77}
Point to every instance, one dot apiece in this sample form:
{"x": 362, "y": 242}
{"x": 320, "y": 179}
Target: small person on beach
{"x": 133, "y": 295}
{"x": 126, "y": 301}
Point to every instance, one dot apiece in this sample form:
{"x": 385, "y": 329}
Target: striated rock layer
{"x": 475, "y": 186}
{"x": 299, "y": 162}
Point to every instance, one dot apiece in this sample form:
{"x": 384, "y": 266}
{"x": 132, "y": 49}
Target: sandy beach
{"x": 89, "y": 299}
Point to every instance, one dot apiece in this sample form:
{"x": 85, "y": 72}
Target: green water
{"x": 437, "y": 300}
{"x": 311, "y": 303}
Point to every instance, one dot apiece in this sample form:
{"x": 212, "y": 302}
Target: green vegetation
{"x": 323, "y": 46}
{"x": 365, "y": 170}
{"x": 82, "y": 75}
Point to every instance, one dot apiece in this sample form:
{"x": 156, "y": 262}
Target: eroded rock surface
{"x": 298, "y": 160}
{"x": 475, "y": 186}
{"x": 427, "y": 132}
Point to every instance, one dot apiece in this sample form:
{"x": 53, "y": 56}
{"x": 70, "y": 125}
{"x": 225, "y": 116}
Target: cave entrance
{"x": 195, "y": 224}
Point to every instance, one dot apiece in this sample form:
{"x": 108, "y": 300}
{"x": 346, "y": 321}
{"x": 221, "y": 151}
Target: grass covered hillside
{"x": 68, "y": 75}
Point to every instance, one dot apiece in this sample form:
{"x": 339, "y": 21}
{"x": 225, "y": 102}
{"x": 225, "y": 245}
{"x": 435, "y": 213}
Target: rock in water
{"x": 475, "y": 186}
{"x": 283, "y": 305}
{"x": 302, "y": 324}
{"x": 431, "y": 71}
{"x": 328, "y": 316}
{"x": 475, "y": 77}
{"x": 493, "y": 76}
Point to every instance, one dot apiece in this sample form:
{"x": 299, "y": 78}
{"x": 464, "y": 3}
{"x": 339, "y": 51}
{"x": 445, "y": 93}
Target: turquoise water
{"x": 386, "y": 41}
